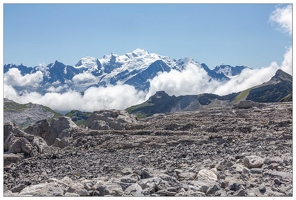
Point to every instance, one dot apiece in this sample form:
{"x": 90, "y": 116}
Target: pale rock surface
{"x": 110, "y": 119}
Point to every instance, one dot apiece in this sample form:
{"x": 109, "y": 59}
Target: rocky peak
{"x": 159, "y": 95}
{"x": 139, "y": 52}
{"x": 88, "y": 62}
{"x": 280, "y": 75}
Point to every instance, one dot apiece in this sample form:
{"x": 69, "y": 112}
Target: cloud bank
{"x": 84, "y": 77}
{"x": 192, "y": 80}
{"x": 94, "y": 98}
{"x": 13, "y": 77}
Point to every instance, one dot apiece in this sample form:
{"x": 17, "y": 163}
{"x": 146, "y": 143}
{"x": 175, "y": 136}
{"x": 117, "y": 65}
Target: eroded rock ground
{"x": 218, "y": 151}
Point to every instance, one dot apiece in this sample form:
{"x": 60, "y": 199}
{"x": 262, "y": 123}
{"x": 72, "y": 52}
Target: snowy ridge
{"x": 90, "y": 63}
{"x": 137, "y": 60}
{"x": 136, "y": 68}
{"x": 229, "y": 71}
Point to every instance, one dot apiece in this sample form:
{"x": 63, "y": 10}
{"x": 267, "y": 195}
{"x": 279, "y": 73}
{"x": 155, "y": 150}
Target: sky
{"x": 234, "y": 34}
{"x": 259, "y": 36}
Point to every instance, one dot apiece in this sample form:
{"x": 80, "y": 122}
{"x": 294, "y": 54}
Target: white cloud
{"x": 192, "y": 80}
{"x": 247, "y": 79}
{"x": 56, "y": 83}
{"x": 111, "y": 97}
{"x": 283, "y": 17}
{"x": 252, "y": 77}
{"x": 9, "y": 92}
{"x": 13, "y": 77}
{"x": 117, "y": 97}
{"x": 55, "y": 89}
{"x": 287, "y": 63}
{"x": 83, "y": 77}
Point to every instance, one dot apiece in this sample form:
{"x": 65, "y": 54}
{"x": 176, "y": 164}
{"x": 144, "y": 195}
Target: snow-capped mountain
{"x": 228, "y": 70}
{"x": 136, "y": 68}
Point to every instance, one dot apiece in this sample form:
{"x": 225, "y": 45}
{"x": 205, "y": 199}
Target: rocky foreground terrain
{"x": 221, "y": 151}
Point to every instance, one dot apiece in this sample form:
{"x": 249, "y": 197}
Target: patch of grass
{"x": 56, "y": 114}
{"x": 80, "y": 122}
{"x": 287, "y": 98}
{"x": 14, "y": 107}
{"x": 242, "y": 96}
{"x": 140, "y": 116}
{"x": 133, "y": 108}
{"x": 78, "y": 117}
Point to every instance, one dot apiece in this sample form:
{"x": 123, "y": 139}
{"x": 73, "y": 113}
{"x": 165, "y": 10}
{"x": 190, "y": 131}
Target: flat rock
{"x": 206, "y": 174}
{"x": 12, "y": 158}
{"x": 253, "y": 161}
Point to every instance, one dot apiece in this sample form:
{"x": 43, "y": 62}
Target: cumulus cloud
{"x": 83, "y": 77}
{"x": 94, "y": 98}
{"x": 287, "y": 63}
{"x": 55, "y": 89}
{"x": 9, "y": 92}
{"x": 13, "y": 77}
{"x": 246, "y": 79}
{"x": 282, "y": 16}
{"x": 192, "y": 80}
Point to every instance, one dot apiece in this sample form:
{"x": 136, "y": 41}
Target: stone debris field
{"x": 220, "y": 151}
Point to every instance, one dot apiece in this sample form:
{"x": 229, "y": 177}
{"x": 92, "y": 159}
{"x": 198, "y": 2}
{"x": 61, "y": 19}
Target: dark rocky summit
{"x": 218, "y": 151}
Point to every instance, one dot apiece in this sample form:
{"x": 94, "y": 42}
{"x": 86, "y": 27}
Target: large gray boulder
{"x": 62, "y": 123}
{"x": 58, "y": 128}
{"x": 40, "y": 128}
{"x": 110, "y": 119}
{"x": 246, "y": 104}
{"x": 17, "y": 141}
{"x": 12, "y": 158}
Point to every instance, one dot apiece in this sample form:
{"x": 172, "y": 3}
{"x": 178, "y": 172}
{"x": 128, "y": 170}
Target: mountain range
{"x": 277, "y": 89}
{"x": 136, "y": 68}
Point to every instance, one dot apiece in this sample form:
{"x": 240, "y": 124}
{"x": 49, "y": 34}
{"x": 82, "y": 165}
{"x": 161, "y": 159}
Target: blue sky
{"x": 235, "y": 34}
